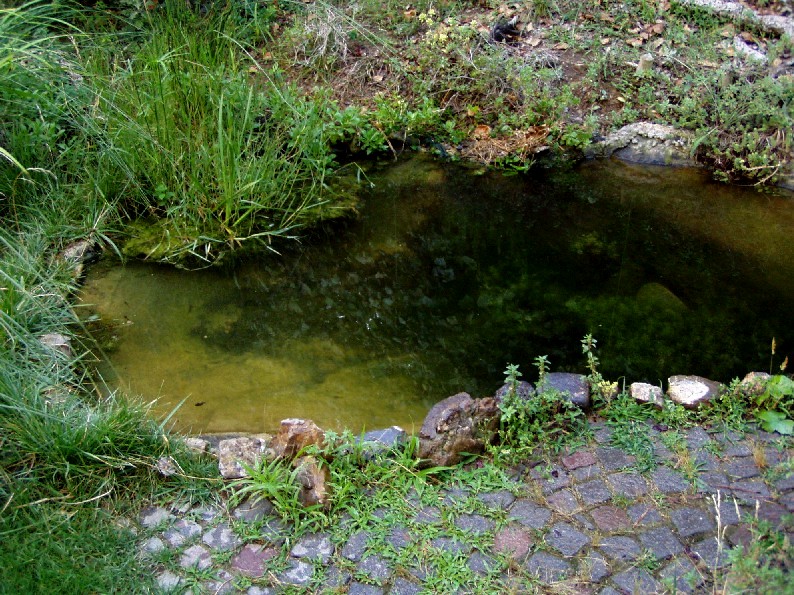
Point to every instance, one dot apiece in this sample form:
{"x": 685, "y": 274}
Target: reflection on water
{"x": 445, "y": 278}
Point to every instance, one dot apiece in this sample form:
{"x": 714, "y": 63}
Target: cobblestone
{"x": 584, "y": 516}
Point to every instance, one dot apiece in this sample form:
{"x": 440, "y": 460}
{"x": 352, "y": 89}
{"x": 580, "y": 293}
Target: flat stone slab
{"x": 514, "y": 542}
{"x": 567, "y": 540}
{"x": 548, "y": 568}
{"x": 594, "y": 492}
{"x": 691, "y": 521}
{"x": 611, "y": 518}
{"x": 691, "y": 391}
{"x": 620, "y": 548}
{"x": 196, "y": 556}
{"x": 529, "y": 514}
{"x": 221, "y": 538}
{"x": 315, "y": 547}
{"x": 661, "y": 542}
{"x": 252, "y": 560}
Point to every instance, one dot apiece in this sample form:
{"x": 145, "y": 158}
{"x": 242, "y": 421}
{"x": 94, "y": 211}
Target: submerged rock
{"x": 692, "y": 391}
{"x": 456, "y": 425}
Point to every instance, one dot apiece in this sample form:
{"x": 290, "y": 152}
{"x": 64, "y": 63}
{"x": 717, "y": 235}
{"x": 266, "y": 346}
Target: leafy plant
{"x": 775, "y": 406}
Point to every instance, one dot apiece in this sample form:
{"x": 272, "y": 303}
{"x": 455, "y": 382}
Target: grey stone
{"x": 153, "y": 545}
{"x": 567, "y": 540}
{"x": 221, "y": 585}
{"x": 336, "y": 578}
{"x": 713, "y": 553}
{"x": 524, "y": 390}
{"x": 691, "y": 391}
{"x": 550, "y": 480}
{"x": 572, "y": 386}
{"x": 681, "y": 576}
{"x": 750, "y": 490}
{"x": 482, "y": 563}
{"x": 691, "y": 521}
{"x": 380, "y": 441}
{"x": 356, "y": 546}
{"x": 610, "y": 591}
{"x": 168, "y": 581}
{"x": 668, "y": 481}
{"x": 647, "y": 393}
{"x": 474, "y": 523}
{"x": 221, "y": 538}
{"x": 298, "y": 573}
{"x": 253, "y": 511}
{"x": 597, "y": 566}
{"x": 399, "y": 538}
{"x": 427, "y": 515}
{"x": 613, "y": 459}
{"x": 737, "y": 449}
{"x": 602, "y": 434}
{"x": 257, "y": 590}
{"x": 402, "y": 586}
{"x": 586, "y": 473}
{"x": 644, "y": 514}
{"x": 645, "y": 142}
{"x": 500, "y": 499}
{"x": 636, "y": 580}
{"x": 376, "y": 567}
{"x": 315, "y": 546}
{"x": 629, "y": 485}
{"x": 742, "y": 468}
{"x": 594, "y": 492}
{"x": 357, "y": 588}
{"x": 620, "y": 548}
{"x": 712, "y": 481}
{"x": 456, "y": 425}
{"x": 529, "y": 514}
{"x": 661, "y": 542}
{"x": 207, "y": 513}
{"x": 449, "y": 545}
{"x": 196, "y": 556}
{"x": 728, "y": 512}
{"x": 181, "y": 532}
{"x": 705, "y": 461}
{"x": 155, "y": 516}
{"x": 455, "y": 496}
{"x": 548, "y": 568}
{"x": 274, "y": 531}
{"x": 563, "y": 502}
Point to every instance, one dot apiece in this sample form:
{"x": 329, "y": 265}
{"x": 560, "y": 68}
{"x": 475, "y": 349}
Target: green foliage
{"x": 775, "y": 406}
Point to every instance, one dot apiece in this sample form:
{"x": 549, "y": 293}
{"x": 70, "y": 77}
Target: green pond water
{"x": 445, "y": 278}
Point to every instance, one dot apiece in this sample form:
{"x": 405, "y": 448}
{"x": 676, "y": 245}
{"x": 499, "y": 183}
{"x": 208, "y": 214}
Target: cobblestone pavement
{"x": 585, "y": 522}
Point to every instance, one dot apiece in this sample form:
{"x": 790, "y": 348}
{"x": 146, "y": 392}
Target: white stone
{"x": 647, "y": 393}
{"x": 691, "y": 391}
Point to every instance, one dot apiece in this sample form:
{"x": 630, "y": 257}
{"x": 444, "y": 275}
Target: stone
{"x": 449, "y": 545}
{"x": 58, "y": 343}
{"x": 152, "y": 545}
{"x": 610, "y": 518}
{"x": 574, "y": 387}
{"x": 566, "y": 539}
{"x": 399, "y": 538}
{"x": 221, "y": 538}
{"x": 613, "y": 458}
{"x": 691, "y": 521}
{"x": 500, "y": 499}
{"x": 548, "y": 568}
{"x": 314, "y": 546}
{"x": 197, "y": 445}
{"x": 691, "y": 391}
{"x": 313, "y": 479}
{"x": 647, "y": 393}
{"x": 221, "y": 585}
{"x": 529, "y": 514}
{"x": 524, "y": 390}
{"x": 182, "y": 531}
{"x": 513, "y": 541}
{"x": 168, "y": 581}
{"x": 356, "y": 546}
{"x": 636, "y": 580}
{"x": 597, "y": 565}
{"x": 294, "y": 436}
{"x": 427, "y": 515}
{"x": 402, "y": 586}
{"x": 645, "y": 64}
{"x": 629, "y": 485}
{"x": 298, "y": 573}
{"x": 154, "y": 516}
{"x": 754, "y": 384}
{"x": 697, "y": 438}
{"x": 474, "y": 523}
{"x": 594, "y": 492}
{"x": 644, "y": 514}
{"x": 713, "y": 553}
{"x": 668, "y": 481}
{"x": 563, "y": 502}
{"x": 357, "y": 588}
{"x": 234, "y": 454}
{"x": 620, "y": 548}
{"x": 376, "y": 567}
{"x": 742, "y": 468}
{"x": 661, "y": 542}
{"x": 456, "y": 425}
{"x": 252, "y": 559}
{"x": 749, "y": 491}
{"x": 79, "y": 253}
{"x": 252, "y": 510}
{"x": 681, "y": 576}
{"x": 644, "y": 142}
{"x": 382, "y": 441}
{"x": 579, "y": 459}
{"x": 550, "y": 479}
{"x": 483, "y": 563}
{"x": 196, "y": 556}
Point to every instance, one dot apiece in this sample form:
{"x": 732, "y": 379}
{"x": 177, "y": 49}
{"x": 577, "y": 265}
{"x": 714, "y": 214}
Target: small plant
{"x": 603, "y": 390}
{"x": 776, "y": 405}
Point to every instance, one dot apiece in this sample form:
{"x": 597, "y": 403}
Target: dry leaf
{"x": 656, "y": 28}
{"x": 377, "y": 78}
{"x": 635, "y": 42}
{"x": 561, "y": 46}
{"x": 606, "y": 17}
{"x": 656, "y": 44}
{"x": 481, "y": 132}
{"x": 621, "y": 99}
{"x": 605, "y": 40}
{"x": 708, "y": 64}
{"x": 533, "y": 42}
{"x": 409, "y": 14}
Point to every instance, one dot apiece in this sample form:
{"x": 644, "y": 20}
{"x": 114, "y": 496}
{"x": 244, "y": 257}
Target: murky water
{"x": 445, "y": 278}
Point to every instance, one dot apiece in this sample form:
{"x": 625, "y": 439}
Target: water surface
{"x": 444, "y": 278}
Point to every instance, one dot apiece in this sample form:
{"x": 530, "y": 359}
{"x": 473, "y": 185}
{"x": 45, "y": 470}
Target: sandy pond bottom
{"x": 444, "y": 278}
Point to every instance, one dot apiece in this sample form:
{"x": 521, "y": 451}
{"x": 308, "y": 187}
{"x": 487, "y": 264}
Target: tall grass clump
{"x": 216, "y": 157}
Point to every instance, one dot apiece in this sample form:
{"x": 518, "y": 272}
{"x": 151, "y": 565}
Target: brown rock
{"x": 754, "y": 384}
{"x": 294, "y": 436}
{"x": 313, "y": 480}
{"x": 234, "y": 453}
{"x": 456, "y": 425}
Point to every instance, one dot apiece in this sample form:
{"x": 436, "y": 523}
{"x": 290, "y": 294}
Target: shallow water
{"x": 447, "y": 276}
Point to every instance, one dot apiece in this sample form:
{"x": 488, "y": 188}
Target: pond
{"x": 449, "y": 274}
